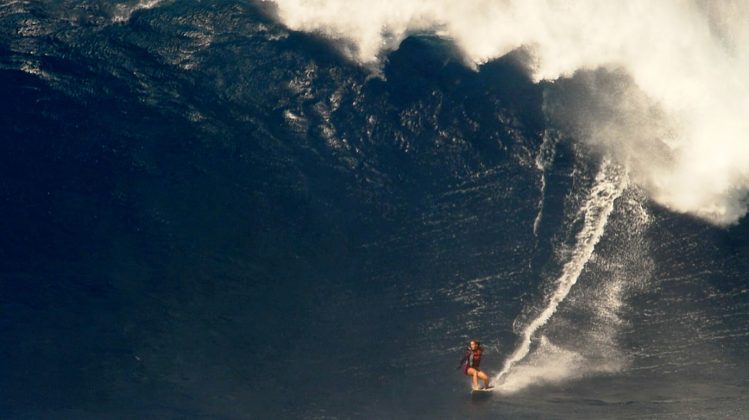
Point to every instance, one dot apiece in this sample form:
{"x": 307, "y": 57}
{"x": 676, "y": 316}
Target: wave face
{"x": 670, "y": 104}
{"x": 233, "y": 209}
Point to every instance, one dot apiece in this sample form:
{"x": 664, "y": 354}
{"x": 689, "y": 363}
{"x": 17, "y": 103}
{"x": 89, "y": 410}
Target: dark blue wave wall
{"x": 204, "y": 214}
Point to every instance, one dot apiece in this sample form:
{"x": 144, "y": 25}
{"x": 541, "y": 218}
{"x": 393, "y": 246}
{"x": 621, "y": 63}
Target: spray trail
{"x": 544, "y": 160}
{"x": 609, "y": 184}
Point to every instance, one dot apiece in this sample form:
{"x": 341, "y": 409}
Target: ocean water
{"x": 209, "y": 212}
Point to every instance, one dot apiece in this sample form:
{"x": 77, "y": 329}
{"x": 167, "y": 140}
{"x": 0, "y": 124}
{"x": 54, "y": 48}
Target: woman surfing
{"x": 472, "y": 360}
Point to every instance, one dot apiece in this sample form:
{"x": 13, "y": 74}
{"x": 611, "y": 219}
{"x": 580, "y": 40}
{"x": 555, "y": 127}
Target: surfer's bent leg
{"x": 484, "y": 378}
{"x": 474, "y": 373}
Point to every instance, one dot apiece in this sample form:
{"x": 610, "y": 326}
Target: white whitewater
{"x": 675, "y": 115}
{"x": 608, "y": 186}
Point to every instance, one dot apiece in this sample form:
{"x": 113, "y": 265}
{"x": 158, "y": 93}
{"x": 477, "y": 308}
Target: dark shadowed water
{"x": 205, "y": 215}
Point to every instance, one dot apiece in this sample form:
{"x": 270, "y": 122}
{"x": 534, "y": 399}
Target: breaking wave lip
{"x": 608, "y": 186}
{"x": 688, "y": 58}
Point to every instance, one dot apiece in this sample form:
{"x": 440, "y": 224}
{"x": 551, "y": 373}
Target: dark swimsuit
{"x": 472, "y": 359}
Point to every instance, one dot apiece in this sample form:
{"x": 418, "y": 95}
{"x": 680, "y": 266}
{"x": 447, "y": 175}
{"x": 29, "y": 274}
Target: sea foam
{"x": 660, "y": 86}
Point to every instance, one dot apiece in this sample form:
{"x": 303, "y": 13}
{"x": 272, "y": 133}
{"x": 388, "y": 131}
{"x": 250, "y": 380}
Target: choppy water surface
{"x": 206, "y": 214}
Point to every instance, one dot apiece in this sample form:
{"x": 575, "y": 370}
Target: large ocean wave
{"x": 241, "y": 209}
{"x": 672, "y": 111}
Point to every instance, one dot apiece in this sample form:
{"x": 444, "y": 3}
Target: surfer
{"x": 472, "y": 360}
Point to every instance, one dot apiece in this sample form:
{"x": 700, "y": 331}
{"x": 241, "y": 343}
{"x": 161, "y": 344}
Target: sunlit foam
{"x": 681, "y": 101}
{"x": 551, "y": 364}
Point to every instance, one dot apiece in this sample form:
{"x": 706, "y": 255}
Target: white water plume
{"x": 547, "y": 365}
{"x": 608, "y": 186}
{"x": 683, "y": 100}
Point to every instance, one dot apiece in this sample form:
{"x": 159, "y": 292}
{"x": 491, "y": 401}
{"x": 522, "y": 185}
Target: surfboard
{"x": 482, "y": 390}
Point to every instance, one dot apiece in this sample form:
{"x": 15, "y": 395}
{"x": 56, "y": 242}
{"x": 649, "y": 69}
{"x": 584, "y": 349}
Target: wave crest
{"x": 688, "y": 60}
